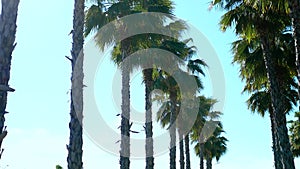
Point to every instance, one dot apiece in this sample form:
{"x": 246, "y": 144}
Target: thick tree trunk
{"x": 187, "y": 151}
{"x": 277, "y": 105}
{"x": 201, "y": 155}
{"x": 125, "y": 115}
{"x": 209, "y": 163}
{"x": 275, "y": 146}
{"x": 74, "y": 158}
{"x": 8, "y": 29}
{"x": 181, "y": 150}
{"x": 148, "y": 123}
{"x": 294, "y": 6}
{"x": 284, "y": 143}
{"x": 172, "y": 130}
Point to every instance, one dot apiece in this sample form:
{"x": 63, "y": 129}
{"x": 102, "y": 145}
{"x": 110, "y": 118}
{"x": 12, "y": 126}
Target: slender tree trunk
{"x": 277, "y": 105}
{"x": 148, "y": 123}
{"x": 172, "y": 130}
{"x": 8, "y": 28}
{"x": 180, "y": 137}
{"x": 275, "y": 146}
{"x": 75, "y": 143}
{"x": 181, "y": 149}
{"x": 187, "y": 151}
{"x": 208, "y": 163}
{"x": 201, "y": 155}
{"x": 201, "y": 146}
{"x": 294, "y": 6}
{"x": 125, "y": 115}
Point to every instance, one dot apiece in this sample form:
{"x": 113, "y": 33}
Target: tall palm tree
{"x": 164, "y": 6}
{"x": 214, "y": 147}
{"x": 171, "y": 108}
{"x": 253, "y": 23}
{"x": 253, "y": 71}
{"x": 164, "y": 116}
{"x": 148, "y": 123}
{"x": 194, "y": 66}
{"x": 75, "y": 143}
{"x": 97, "y": 16}
{"x": 125, "y": 122}
{"x": 294, "y": 11}
{"x": 167, "y": 83}
{"x": 291, "y": 7}
{"x": 149, "y": 40}
{"x": 8, "y": 29}
{"x": 198, "y": 134}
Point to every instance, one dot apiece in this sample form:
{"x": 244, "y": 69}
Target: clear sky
{"x": 39, "y": 109}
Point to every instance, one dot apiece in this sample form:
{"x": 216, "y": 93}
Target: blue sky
{"x": 39, "y": 109}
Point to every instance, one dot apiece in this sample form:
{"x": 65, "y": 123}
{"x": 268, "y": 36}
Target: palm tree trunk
{"x": 294, "y": 6}
{"x": 187, "y": 151}
{"x": 8, "y": 28}
{"x": 181, "y": 150}
{"x": 180, "y": 137}
{"x": 148, "y": 125}
{"x": 284, "y": 143}
{"x": 201, "y": 155}
{"x": 277, "y": 105}
{"x": 208, "y": 163}
{"x": 275, "y": 146}
{"x": 75, "y": 143}
{"x": 125, "y": 115}
{"x": 172, "y": 130}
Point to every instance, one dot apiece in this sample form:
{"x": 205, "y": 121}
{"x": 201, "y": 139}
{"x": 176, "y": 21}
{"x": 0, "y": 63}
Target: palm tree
{"x": 291, "y": 7}
{"x": 253, "y": 23}
{"x": 194, "y": 66}
{"x": 294, "y": 11}
{"x": 248, "y": 55}
{"x": 167, "y": 83}
{"x": 152, "y": 6}
{"x": 295, "y": 133}
{"x": 75, "y": 143}
{"x": 170, "y": 110}
{"x": 214, "y": 147}
{"x": 253, "y": 71}
{"x": 96, "y": 18}
{"x": 125, "y": 126}
{"x": 8, "y": 28}
{"x": 148, "y": 123}
{"x": 198, "y": 134}
{"x": 166, "y": 117}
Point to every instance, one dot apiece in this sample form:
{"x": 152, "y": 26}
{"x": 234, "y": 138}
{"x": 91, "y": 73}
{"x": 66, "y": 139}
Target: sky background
{"x": 39, "y": 109}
